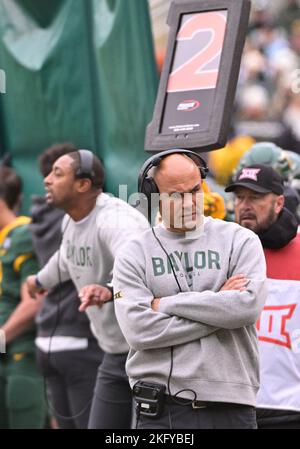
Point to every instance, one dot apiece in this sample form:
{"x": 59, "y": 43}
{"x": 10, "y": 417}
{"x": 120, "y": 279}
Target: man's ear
{"x": 83, "y": 185}
{"x": 279, "y": 204}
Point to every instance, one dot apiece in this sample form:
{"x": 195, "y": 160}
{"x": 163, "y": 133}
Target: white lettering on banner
{"x": 272, "y": 325}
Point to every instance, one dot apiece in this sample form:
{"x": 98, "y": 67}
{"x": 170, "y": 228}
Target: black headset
{"x": 147, "y": 185}
{"x": 86, "y": 161}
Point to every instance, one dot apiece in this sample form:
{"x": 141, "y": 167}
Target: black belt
{"x": 170, "y": 400}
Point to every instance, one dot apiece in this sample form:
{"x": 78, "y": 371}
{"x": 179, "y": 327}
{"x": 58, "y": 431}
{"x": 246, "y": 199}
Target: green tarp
{"x": 80, "y": 71}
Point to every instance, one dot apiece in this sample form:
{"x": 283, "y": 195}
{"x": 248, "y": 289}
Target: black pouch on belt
{"x": 150, "y": 397}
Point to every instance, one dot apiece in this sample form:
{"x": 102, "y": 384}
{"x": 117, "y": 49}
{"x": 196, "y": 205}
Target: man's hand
{"x": 155, "y": 303}
{"x": 34, "y": 291}
{"x": 94, "y": 295}
{"x": 237, "y": 282}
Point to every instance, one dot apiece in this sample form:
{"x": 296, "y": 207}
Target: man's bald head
{"x": 175, "y": 170}
{"x": 179, "y": 180}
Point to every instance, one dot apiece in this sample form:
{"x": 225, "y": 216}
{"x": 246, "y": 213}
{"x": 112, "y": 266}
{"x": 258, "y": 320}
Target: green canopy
{"x": 80, "y": 71}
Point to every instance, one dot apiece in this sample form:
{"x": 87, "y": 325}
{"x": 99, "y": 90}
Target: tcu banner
{"x": 198, "y": 82}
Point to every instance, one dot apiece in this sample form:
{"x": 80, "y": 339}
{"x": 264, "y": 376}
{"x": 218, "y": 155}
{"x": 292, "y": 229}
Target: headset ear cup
{"x": 86, "y": 160}
{"x": 202, "y": 173}
{"x": 149, "y": 187}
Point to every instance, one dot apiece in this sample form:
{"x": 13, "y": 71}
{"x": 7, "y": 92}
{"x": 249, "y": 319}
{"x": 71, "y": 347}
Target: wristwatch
{"x": 110, "y": 288}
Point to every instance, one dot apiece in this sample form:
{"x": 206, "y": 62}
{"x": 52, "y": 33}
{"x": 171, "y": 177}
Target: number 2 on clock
{"x": 192, "y": 75}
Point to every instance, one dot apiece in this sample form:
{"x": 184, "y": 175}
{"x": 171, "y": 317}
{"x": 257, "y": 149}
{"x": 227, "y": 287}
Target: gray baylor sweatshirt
{"x": 87, "y": 256}
{"x": 213, "y": 333}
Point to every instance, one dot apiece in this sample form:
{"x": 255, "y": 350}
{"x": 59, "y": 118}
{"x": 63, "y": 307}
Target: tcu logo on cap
{"x": 249, "y": 173}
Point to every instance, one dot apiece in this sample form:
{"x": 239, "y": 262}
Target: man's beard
{"x": 258, "y": 228}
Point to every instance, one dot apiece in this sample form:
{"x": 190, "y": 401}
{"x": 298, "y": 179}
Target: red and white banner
{"x": 279, "y": 346}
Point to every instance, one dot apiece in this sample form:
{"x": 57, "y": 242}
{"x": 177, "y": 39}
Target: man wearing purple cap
{"x": 259, "y": 206}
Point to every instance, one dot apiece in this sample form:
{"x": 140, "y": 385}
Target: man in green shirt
{"x": 21, "y": 387}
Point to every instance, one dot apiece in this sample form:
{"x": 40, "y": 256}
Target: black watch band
{"x": 37, "y": 282}
{"x": 110, "y": 288}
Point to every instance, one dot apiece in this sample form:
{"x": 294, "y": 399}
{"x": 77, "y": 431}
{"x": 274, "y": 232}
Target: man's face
{"x": 181, "y": 204}
{"x": 60, "y": 183}
{"x": 256, "y": 211}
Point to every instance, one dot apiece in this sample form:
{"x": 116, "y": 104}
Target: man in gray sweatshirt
{"x": 95, "y": 228}
{"x": 65, "y": 342}
{"x": 187, "y": 296}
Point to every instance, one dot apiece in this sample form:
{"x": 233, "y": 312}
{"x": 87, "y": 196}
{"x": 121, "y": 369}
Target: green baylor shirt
{"x": 17, "y": 261}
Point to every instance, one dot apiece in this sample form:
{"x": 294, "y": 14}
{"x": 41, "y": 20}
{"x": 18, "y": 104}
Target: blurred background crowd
{"x": 267, "y": 106}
